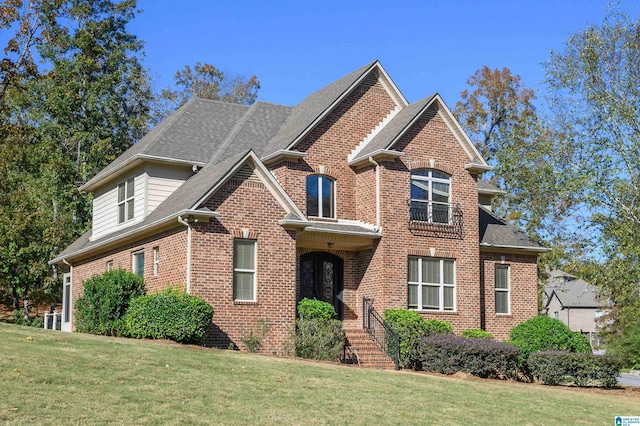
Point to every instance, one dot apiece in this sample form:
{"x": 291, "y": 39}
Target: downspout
{"x": 188, "y": 225}
{"x": 372, "y": 161}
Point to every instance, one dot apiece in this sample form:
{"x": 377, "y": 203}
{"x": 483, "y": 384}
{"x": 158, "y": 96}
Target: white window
{"x": 502, "y": 289}
{"x": 430, "y": 196}
{"x": 156, "y": 260}
{"x": 431, "y": 283}
{"x": 321, "y": 196}
{"x": 137, "y": 263}
{"x": 125, "y": 200}
{"x": 110, "y": 265}
{"x": 244, "y": 270}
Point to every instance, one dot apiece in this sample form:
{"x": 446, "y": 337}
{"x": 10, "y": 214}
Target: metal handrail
{"x": 382, "y": 333}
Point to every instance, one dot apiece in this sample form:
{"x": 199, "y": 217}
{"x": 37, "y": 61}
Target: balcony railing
{"x": 436, "y": 219}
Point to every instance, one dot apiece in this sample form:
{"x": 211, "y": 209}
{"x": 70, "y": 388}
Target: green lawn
{"x": 59, "y": 378}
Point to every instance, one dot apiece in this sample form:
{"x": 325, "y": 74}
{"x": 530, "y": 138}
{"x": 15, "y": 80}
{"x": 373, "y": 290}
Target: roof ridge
{"x": 233, "y": 133}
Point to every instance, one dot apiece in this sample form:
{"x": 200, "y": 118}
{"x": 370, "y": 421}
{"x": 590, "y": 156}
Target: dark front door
{"x": 321, "y": 278}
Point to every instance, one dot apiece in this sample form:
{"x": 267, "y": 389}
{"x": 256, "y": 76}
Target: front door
{"x": 321, "y": 279}
{"x": 66, "y": 303}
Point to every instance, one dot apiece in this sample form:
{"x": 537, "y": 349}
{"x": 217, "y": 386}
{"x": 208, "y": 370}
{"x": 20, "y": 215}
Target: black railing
{"x": 436, "y": 219}
{"x": 383, "y": 334}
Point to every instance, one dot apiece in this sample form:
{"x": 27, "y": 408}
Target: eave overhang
{"x": 378, "y": 155}
{"x": 282, "y": 155}
{"x": 513, "y": 249}
{"x": 190, "y": 215}
{"x": 477, "y": 168}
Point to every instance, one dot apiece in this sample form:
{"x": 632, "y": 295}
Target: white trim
{"x": 136, "y": 255}
{"x": 502, "y": 290}
{"x": 441, "y": 285}
{"x": 109, "y": 265}
{"x": 67, "y": 300}
{"x": 156, "y": 260}
{"x": 126, "y": 201}
{"x": 253, "y": 271}
{"x": 319, "y": 177}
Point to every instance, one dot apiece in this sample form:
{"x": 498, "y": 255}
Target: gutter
{"x": 534, "y": 249}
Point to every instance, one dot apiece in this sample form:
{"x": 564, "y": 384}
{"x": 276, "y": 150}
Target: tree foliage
{"x": 595, "y": 95}
{"x": 207, "y": 82}
{"x": 61, "y": 123}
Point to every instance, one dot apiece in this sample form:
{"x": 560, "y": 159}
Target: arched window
{"x": 430, "y": 196}
{"x": 321, "y": 199}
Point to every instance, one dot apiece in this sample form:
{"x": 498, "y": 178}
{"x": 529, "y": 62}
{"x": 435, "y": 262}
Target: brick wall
{"x": 523, "y": 291}
{"x": 171, "y": 272}
{"x": 246, "y": 205}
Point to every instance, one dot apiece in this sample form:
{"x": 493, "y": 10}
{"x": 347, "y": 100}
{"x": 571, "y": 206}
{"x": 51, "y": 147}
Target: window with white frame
{"x": 244, "y": 270}
{"x": 431, "y": 284}
{"x": 321, "y": 196}
{"x": 137, "y": 262}
{"x": 502, "y": 289}
{"x": 156, "y": 260}
{"x": 430, "y": 196}
{"x": 110, "y": 265}
{"x": 125, "y": 200}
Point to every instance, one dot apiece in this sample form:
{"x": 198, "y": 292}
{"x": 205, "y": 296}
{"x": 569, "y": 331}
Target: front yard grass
{"x": 51, "y": 377}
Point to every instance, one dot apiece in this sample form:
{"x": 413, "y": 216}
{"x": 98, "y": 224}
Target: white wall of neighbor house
{"x": 578, "y": 319}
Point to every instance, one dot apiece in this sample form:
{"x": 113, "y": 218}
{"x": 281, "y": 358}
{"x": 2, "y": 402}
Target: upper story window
{"x": 125, "y": 200}
{"x": 321, "y": 200}
{"x": 430, "y": 196}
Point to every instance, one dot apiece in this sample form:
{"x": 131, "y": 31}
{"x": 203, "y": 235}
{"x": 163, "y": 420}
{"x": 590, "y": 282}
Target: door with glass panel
{"x": 321, "y": 278}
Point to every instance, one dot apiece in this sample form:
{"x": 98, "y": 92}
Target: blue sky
{"x": 296, "y": 47}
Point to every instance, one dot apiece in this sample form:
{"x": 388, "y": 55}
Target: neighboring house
{"x": 573, "y": 301}
{"x": 352, "y": 193}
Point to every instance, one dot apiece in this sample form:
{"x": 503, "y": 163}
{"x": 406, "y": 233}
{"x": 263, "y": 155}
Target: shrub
{"x": 580, "y": 369}
{"x": 448, "y": 354}
{"x": 253, "y": 339}
{"x": 18, "y": 319}
{"x": 319, "y": 339}
{"x": 476, "y": 333}
{"x": 626, "y": 345}
{"x": 170, "y": 314}
{"x": 104, "y": 302}
{"x": 411, "y": 329}
{"x": 543, "y": 333}
{"x": 310, "y": 309}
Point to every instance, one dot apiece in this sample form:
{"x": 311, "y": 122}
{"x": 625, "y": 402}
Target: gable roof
{"x": 406, "y": 118}
{"x": 571, "y": 292}
{"x": 318, "y": 104}
{"x": 496, "y": 233}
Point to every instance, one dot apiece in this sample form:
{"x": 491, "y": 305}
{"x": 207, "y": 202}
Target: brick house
{"x": 352, "y": 193}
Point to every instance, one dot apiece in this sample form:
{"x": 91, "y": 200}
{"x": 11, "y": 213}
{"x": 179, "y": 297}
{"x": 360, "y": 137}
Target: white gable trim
{"x": 265, "y": 177}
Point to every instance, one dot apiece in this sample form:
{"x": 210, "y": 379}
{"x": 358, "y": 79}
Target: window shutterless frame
{"x": 430, "y": 196}
{"x": 431, "y": 284}
{"x": 137, "y": 262}
{"x": 502, "y": 294}
{"x": 126, "y": 200}
{"x": 321, "y": 196}
{"x": 244, "y": 270}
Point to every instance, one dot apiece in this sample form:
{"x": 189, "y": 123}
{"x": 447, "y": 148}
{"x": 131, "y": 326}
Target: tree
{"x": 62, "y": 124}
{"x": 207, "y": 82}
{"x": 595, "y": 94}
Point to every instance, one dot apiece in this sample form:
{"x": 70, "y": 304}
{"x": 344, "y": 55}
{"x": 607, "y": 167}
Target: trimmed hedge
{"x": 476, "y": 333}
{"x": 170, "y": 314}
{"x": 580, "y": 369}
{"x": 412, "y": 328}
{"x": 104, "y": 302}
{"x": 310, "y": 309}
{"x": 543, "y": 333}
{"x": 448, "y": 354}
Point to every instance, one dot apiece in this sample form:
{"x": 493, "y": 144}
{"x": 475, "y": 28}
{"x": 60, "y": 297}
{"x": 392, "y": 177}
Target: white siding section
{"x": 163, "y": 181}
{"x": 153, "y": 183}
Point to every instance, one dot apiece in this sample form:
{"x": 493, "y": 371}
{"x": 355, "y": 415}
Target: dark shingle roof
{"x": 571, "y": 291}
{"x": 484, "y": 187}
{"x": 495, "y": 232}
{"x": 397, "y": 125}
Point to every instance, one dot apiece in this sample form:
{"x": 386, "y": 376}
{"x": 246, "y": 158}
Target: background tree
{"x": 207, "y": 82}
{"x": 595, "y": 94}
{"x": 62, "y": 123}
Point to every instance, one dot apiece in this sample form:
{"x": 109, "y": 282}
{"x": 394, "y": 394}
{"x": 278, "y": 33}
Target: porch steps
{"x": 369, "y": 353}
